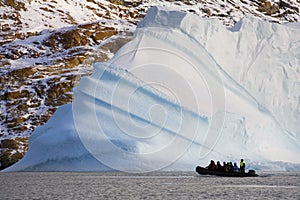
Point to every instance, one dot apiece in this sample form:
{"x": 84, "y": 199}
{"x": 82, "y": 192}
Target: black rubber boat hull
{"x": 204, "y": 171}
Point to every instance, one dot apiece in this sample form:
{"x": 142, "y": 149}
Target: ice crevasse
{"x": 183, "y": 91}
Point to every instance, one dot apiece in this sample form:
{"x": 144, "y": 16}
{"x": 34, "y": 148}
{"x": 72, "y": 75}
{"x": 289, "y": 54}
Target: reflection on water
{"x": 156, "y": 185}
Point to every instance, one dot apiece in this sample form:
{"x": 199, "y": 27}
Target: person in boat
{"x": 242, "y": 166}
{"x": 230, "y": 167}
{"x": 212, "y": 165}
{"x": 219, "y": 167}
{"x": 224, "y": 167}
{"x": 235, "y": 167}
{"x": 227, "y": 167}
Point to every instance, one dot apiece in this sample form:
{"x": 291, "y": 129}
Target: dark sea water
{"x": 155, "y": 185}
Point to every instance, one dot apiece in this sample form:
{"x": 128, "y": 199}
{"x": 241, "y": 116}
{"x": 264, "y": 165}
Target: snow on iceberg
{"x": 180, "y": 93}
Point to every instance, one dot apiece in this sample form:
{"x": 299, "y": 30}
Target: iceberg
{"x": 184, "y": 91}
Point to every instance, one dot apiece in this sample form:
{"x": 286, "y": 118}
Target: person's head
{"x": 235, "y": 164}
{"x": 242, "y": 160}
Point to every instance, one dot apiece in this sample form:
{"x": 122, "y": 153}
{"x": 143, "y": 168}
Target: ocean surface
{"x": 155, "y": 185}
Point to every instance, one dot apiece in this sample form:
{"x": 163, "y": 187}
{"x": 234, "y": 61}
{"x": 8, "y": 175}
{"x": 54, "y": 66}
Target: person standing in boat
{"x": 242, "y": 166}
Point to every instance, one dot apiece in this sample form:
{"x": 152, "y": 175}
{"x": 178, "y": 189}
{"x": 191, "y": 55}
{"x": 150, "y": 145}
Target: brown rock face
{"x": 67, "y": 39}
{"x": 12, "y": 150}
{"x": 17, "y": 5}
{"x": 269, "y": 8}
{"x": 104, "y": 34}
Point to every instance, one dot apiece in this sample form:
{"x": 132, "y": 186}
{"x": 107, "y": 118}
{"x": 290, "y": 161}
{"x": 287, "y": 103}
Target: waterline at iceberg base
{"x": 184, "y": 91}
